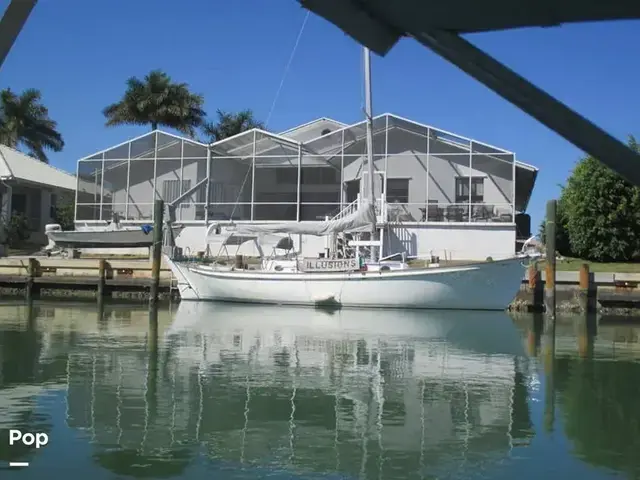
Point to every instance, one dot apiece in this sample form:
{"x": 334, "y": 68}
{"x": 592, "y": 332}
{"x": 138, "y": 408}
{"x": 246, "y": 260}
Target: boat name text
{"x": 330, "y": 265}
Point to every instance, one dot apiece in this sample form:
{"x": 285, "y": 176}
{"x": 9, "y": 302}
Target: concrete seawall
{"x": 615, "y": 293}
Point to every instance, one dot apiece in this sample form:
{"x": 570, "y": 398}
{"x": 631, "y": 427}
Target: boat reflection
{"x": 376, "y": 394}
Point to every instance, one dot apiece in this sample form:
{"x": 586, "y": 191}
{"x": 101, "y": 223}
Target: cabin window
{"x": 397, "y": 190}
{"x": 462, "y": 189}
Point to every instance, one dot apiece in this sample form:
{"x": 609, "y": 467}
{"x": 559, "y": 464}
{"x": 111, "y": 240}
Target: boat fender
{"x": 146, "y": 229}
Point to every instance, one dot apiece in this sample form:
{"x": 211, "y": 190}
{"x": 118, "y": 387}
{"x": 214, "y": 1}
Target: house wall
{"x": 452, "y": 240}
{"x": 33, "y": 202}
{"x": 407, "y": 159}
{"x": 448, "y": 240}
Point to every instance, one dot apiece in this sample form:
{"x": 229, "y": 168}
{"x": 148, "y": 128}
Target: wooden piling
{"x": 550, "y": 277}
{"x": 536, "y": 287}
{"x": 586, "y": 291}
{"x": 33, "y": 271}
{"x": 156, "y": 259}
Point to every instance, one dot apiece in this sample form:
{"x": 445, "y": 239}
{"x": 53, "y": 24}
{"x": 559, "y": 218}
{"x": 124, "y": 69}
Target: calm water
{"x": 232, "y": 392}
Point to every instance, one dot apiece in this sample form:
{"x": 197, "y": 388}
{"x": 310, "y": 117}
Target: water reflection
{"x": 591, "y": 374}
{"x": 249, "y": 391}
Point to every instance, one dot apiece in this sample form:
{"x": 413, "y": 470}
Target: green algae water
{"x": 232, "y": 391}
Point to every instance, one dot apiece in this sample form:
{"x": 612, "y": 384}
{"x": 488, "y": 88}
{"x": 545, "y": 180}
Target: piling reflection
{"x": 606, "y": 393}
{"x": 591, "y": 369}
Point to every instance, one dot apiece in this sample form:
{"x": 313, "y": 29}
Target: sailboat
{"x": 351, "y": 282}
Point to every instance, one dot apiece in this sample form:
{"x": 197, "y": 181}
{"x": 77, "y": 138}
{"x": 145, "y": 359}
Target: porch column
{"x": 5, "y": 208}
{"x": 5, "y": 212}
{"x": 343, "y": 184}
{"x": 45, "y": 209}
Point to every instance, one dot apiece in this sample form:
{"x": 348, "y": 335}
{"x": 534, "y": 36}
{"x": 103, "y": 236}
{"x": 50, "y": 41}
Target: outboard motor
{"x": 51, "y": 227}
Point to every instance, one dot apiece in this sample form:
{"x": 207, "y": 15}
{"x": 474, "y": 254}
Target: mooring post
{"x": 550, "y": 277}
{"x": 535, "y": 287}
{"x": 156, "y": 258}
{"x": 31, "y": 289}
{"x": 585, "y": 289}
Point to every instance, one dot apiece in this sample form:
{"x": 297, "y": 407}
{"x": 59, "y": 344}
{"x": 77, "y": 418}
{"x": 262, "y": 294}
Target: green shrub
{"x": 17, "y": 231}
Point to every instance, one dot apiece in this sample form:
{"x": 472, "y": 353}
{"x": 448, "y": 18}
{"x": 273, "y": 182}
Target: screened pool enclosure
{"x": 423, "y": 174}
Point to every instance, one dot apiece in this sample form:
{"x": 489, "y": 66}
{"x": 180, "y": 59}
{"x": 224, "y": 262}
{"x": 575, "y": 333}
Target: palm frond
{"x": 25, "y": 121}
{"x": 156, "y": 100}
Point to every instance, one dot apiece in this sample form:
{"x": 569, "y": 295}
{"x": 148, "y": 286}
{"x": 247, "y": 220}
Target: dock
{"x": 581, "y": 291}
{"x": 35, "y": 277}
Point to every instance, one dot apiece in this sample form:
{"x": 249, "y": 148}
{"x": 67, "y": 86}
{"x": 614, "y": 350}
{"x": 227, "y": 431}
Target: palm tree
{"x": 156, "y": 101}
{"x": 230, "y": 124}
{"x": 25, "y": 122}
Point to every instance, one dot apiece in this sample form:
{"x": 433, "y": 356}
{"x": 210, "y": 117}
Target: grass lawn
{"x": 573, "y": 264}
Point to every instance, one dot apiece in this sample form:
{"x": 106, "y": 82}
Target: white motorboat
{"x": 114, "y": 235}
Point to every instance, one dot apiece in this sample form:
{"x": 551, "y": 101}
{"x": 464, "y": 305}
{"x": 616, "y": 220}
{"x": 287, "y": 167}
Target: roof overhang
{"x": 526, "y": 176}
{"x": 379, "y": 24}
{"x": 18, "y": 167}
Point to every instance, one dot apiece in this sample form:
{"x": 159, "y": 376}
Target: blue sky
{"x": 79, "y": 54}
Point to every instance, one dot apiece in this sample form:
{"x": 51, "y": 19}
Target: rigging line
{"x": 286, "y": 68}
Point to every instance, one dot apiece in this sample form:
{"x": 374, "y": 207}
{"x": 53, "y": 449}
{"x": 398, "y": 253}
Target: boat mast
{"x": 369, "y": 117}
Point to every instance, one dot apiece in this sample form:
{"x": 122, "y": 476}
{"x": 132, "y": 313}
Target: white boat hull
{"x": 125, "y": 237}
{"x": 483, "y": 286}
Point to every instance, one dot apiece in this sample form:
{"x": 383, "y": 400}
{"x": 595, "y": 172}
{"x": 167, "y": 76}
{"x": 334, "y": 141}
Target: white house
{"x": 30, "y": 187}
{"x": 446, "y": 195}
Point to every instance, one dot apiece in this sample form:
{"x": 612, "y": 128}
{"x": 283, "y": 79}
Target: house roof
{"x": 315, "y": 142}
{"x": 312, "y": 129}
{"x": 17, "y": 166}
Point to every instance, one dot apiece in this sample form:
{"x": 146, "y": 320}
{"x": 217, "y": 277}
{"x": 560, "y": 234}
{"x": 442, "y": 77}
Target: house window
{"x": 397, "y": 190}
{"x": 19, "y": 203}
{"x": 319, "y": 176}
{"x": 287, "y": 176}
{"x": 171, "y": 189}
{"x": 462, "y": 189}
{"x": 52, "y": 206}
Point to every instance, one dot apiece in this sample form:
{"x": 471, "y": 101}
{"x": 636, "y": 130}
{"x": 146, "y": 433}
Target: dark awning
{"x": 379, "y": 24}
